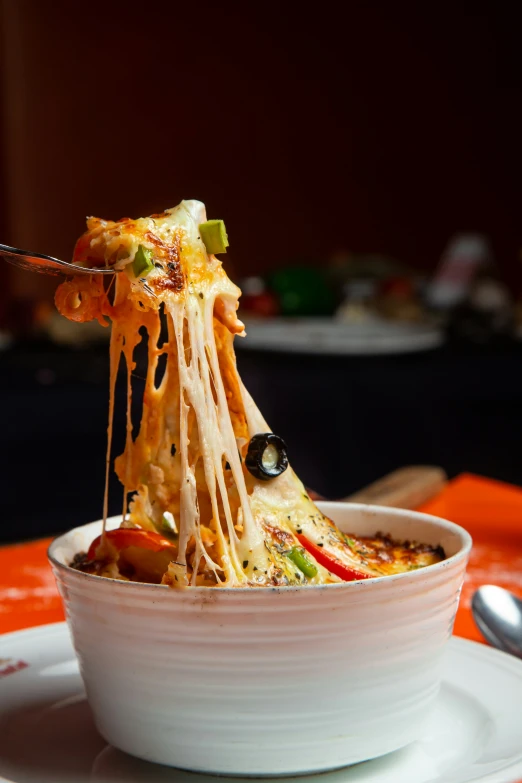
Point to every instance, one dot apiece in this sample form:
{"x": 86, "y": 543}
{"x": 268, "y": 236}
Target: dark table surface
{"x": 346, "y": 420}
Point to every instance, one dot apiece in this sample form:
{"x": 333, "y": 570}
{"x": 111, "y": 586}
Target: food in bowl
{"x": 283, "y": 680}
{"x": 215, "y": 502}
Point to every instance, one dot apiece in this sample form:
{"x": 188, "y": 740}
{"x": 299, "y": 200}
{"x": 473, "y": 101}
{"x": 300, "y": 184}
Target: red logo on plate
{"x": 9, "y": 666}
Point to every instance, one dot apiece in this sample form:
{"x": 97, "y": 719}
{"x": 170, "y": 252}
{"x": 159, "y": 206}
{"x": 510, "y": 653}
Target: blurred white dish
{"x": 47, "y": 734}
{"x": 267, "y": 681}
{"x": 326, "y": 335}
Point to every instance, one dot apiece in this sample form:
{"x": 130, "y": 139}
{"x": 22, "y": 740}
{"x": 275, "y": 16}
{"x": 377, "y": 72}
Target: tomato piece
{"x": 123, "y": 537}
{"x": 330, "y": 562}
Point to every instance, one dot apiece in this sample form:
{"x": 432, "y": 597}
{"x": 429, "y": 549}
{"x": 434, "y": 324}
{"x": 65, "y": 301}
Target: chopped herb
{"x": 245, "y": 563}
{"x": 158, "y": 265}
{"x": 319, "y": 544}
{"x": 142, "y": 264}
{"x": 200, "y": 295}
{"x": 350, "y": 542}
{"x": 227, "y": 466}
{"x": 298, "y": 529}
{"x": 173, "y": 450}
{"x": 214, "y": 236}
{"x": 255, "y": 568}
{"x": 171, "y": 266}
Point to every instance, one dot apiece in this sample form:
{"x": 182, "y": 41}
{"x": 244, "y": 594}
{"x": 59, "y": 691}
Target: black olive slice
{"x": 266, "y": 456}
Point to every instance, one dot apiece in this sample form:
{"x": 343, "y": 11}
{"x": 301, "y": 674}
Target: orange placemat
{"x": 490, "y": 510}
{"x": 28, "y": 594}
{"x": 492, "y": 513}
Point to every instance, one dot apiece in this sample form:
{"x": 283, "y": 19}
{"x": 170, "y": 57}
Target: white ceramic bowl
{"x": 266, "y": 681}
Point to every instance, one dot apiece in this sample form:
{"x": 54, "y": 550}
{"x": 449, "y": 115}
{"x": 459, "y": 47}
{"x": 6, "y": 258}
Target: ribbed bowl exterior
{"x": 267, "y": 681}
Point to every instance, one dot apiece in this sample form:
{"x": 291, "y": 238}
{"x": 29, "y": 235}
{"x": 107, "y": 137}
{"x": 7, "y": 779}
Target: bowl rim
{"x": 367, "y": 584}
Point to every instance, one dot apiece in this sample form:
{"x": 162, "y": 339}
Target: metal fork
{"x": 47, "y": 265}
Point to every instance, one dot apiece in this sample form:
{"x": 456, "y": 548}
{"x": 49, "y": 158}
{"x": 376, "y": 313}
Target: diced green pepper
{"x": 142, "y": 264}
{"x": 214, "y": 235}
{"x": 299, "y": 558}
{"x": 168, "y": 525}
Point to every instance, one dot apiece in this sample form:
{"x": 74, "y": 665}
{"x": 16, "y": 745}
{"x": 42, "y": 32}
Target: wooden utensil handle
{"x": 406, "y": 487}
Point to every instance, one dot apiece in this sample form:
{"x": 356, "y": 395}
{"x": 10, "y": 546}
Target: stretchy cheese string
{"x": 204, "y": 419}
{"x": 196, "y": 395}
{"x": 114, "y": 354}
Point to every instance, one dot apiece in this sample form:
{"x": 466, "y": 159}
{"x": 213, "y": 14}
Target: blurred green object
{"x": 302, "y": 291}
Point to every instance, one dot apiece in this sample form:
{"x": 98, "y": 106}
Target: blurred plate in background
{"x": 324, "y": 335}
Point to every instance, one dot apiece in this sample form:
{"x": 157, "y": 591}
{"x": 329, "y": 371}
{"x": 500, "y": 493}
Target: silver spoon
{"x": 498, "y": 615}
{"x": 47, "y": 265}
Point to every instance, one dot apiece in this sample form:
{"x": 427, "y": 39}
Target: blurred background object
{"x": 302, "y": 290}
{"x": 464, "y": 257}
{"x": 366, "y": 159}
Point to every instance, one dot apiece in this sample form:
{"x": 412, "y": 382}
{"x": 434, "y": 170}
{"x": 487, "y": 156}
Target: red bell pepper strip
{"x": 330, "y": 562}
{"x": 123, "y": 537}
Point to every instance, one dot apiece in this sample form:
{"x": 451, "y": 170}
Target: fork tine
{"x": 47, "y": 265}
{"x": 27, "y": 266}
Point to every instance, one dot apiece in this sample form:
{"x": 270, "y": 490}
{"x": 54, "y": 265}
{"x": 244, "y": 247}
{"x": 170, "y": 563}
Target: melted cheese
{"x": 187, "y": 458}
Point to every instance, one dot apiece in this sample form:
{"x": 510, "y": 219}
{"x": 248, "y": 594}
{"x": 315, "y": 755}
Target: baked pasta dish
{"x": 213, "y": 499}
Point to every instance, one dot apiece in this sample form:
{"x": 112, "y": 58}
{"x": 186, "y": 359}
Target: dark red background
{"x": 373, "y": 127}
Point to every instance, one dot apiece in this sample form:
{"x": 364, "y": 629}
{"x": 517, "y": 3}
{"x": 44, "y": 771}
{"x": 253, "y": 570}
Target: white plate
{"x": 325, "y": 335}
{"x": 47, "y": 734}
